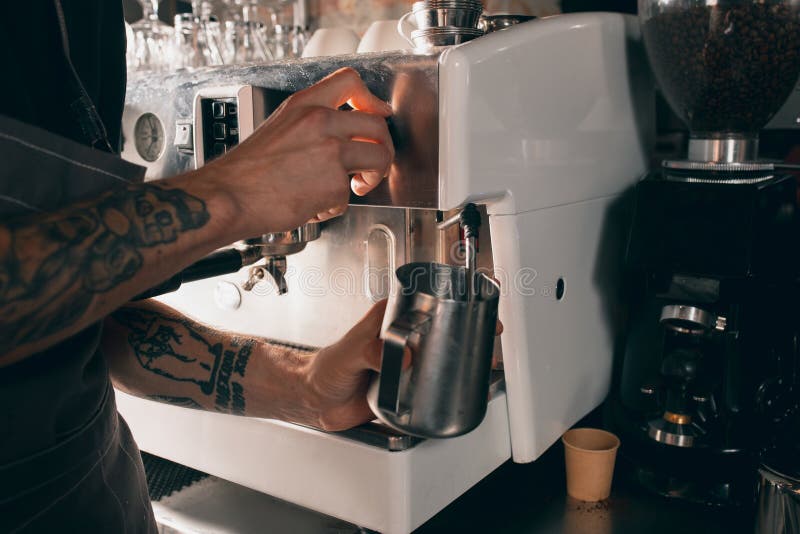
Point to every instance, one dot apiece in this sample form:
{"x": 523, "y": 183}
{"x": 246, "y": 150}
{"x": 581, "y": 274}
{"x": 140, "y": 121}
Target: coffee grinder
{"x": 710, "y": 373}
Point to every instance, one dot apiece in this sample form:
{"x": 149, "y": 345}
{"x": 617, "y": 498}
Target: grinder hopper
{"x": 724, "y": 66}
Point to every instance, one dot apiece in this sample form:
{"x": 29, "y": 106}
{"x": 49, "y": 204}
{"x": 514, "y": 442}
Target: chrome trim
{"x": 750, "y": 166}
{"x": 668, "y": 433}
{"x": 688, "y": 319}
{"x": 710, "y": 179}
{"x": 723, "y": 150}
{"x": 285, "y": 243}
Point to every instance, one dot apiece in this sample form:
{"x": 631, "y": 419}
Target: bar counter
{"x": 531, "y": 498}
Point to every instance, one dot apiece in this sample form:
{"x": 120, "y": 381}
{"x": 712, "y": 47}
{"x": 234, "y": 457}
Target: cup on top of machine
{"x": 446, "y": 13}
{"x": 442, "y": 22}
{"x": 382, "y": 36}
{"x": 331, "y": 42}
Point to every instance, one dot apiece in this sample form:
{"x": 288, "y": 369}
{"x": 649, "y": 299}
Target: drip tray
{"x": 377, "y": 434}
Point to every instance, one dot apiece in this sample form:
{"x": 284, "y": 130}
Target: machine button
{"x": 220, "y": 131}
{"x": 233, "y": 109}
{"x": 220, "y": 149}
{"x": 218, "y": 110}
{"x": 183, "y": 137}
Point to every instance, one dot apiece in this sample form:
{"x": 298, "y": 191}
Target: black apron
{"x": 68, "y": 461}
{"x": 92, "y": 479}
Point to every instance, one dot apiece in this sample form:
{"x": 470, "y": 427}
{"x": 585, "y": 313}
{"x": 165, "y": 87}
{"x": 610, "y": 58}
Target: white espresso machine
{"x": 544, "y": 126}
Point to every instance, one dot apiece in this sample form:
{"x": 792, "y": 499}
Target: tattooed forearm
{"x": 230, "y": 395}
{"x": 181, "y": 350}
{"x": 53, "y": 267}
{"x": 185, "y": 402}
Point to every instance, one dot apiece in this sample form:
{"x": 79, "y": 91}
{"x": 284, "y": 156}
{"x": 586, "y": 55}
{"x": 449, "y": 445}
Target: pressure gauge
{"x": 149, "y": 136}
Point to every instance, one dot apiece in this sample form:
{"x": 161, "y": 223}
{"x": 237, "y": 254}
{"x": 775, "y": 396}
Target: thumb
{"x": 369, "y": 327}
{"x": 360, "y": 348}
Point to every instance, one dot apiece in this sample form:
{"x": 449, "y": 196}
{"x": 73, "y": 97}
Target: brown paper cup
{"x": 590, "y": 454}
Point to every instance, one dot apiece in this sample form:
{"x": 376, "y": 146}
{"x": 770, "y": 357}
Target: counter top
{"x": 514, "y": 499}
{"x": 531, "y": 498}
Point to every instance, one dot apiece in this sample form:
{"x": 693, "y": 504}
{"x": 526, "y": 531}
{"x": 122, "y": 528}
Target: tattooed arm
{"x": 63, "y": 271}
{"x": 156, "y": 353}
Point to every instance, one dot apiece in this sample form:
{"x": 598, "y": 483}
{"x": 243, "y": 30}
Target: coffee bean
{"x": 725, "y": 68}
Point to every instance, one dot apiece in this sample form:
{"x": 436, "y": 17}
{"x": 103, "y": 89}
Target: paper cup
{"x": 589, "y": 454}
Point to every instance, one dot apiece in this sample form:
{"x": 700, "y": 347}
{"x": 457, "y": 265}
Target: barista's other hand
{"x": 297, "y": 166}
{"x": 338, "y": 375}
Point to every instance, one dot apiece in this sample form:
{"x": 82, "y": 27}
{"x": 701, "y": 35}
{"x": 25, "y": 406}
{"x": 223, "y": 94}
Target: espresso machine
{"x": 543, "y": 127}
{"x": 710, "y": 376}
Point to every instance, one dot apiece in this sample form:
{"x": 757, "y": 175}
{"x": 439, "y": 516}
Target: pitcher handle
{"x": 400, "y": 24}
{"x": 395, "y": 341}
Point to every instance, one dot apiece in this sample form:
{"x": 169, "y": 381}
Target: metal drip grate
{"x": 165, "y": 478}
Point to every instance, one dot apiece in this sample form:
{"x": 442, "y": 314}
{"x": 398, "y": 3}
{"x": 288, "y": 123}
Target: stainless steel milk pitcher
{"x": 450, "y": 333}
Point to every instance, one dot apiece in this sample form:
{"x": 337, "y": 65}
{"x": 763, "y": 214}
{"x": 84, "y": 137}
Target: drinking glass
{"x": 245, "y": 43}
{"x": 289, "y": 30}
{"x": 186, "y": 52}
{"x": 153, "y": 40}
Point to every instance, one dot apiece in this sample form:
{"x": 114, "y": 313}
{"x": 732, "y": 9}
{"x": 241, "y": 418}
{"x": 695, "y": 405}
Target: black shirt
{"x": 47, "y": 397}
{"x": 35, "y": 74}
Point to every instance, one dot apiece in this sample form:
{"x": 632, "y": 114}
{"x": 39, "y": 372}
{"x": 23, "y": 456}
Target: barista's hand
{"x": 338, "y": 376}
{"x": 296, "y": 167}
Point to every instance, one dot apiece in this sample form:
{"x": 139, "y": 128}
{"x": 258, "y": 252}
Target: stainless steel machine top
{"x": 409, "y": 82}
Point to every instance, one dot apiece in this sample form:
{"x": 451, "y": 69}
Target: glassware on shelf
{"x": 130, "y": 45}
{"x": 245, "y": 42}
{"x": 186, "y": 51}
{"x": 247, "y": 37}
{"x": 211, "y": 42}
{"x": 218, "y": 32}
{"x": 209, "y": 31}
{"x": 289, "y": 29}
{"x": 152, "y": 40}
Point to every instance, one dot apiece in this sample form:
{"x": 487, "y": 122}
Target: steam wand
{"x": 470, "y": 220}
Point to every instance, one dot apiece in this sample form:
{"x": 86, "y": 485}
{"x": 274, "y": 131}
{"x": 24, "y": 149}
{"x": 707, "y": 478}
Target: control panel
{"x": 220, "y": 125}
{"x": 226, "y": 116}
